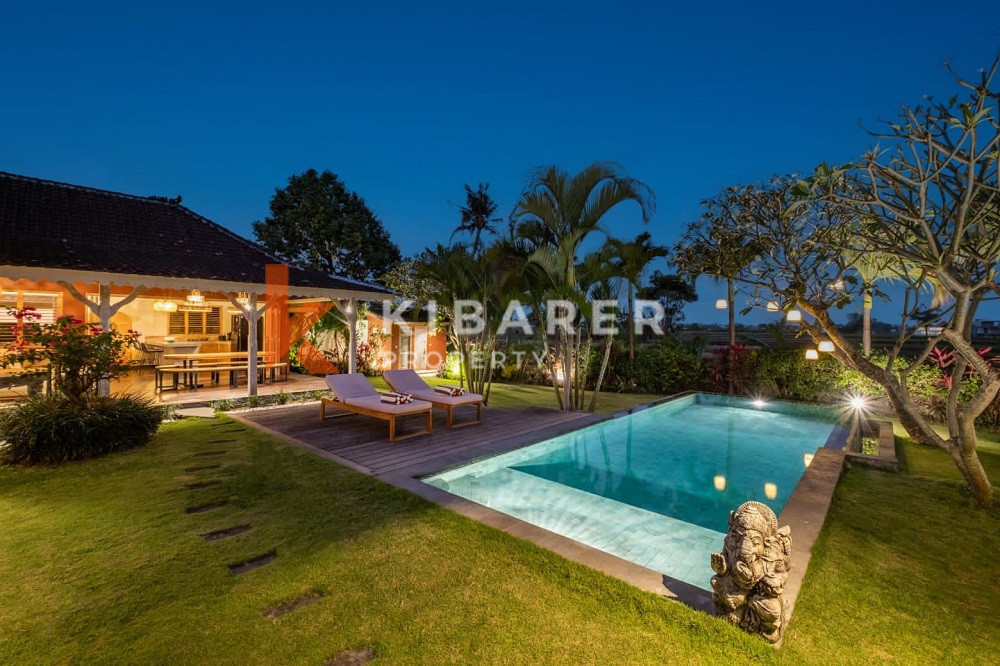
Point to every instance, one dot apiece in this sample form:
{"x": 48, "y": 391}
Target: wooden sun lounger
{"x": 355, "y": 394}
{"x": 408, "y": 381}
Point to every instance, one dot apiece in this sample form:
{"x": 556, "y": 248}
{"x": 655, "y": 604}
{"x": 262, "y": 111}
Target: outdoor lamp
{"x": 826, "y": 346}
{"x": 794, "y": 315}
{"x": 772, "y": 306}
{"x": 158, "y": 306}
{"x": 719, "y": 482}
{"x": 169, "y": 306}
{"x": 807, "y": 458}
{"x": 243, "y": 298}
{"x": 770, "y": 490}
{"x": 195, "y": 297}
{"x": 812, "y": 355}
{"x": 721, "y": 304}
{"x": 837, "y": 285}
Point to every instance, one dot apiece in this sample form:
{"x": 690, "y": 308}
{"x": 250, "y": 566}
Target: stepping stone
{"x": 289, "y": 606}
{"x": 356, "y": 657}
{"x": 226, "y": 533}
{"x": 203, "y": 484}
{"x": 254, "y": 562}
{"x": 206, "y": 454}
{"x": 202, "y": 508}
{"x": 196, "y": 412}
{"x": 199, "y": 468}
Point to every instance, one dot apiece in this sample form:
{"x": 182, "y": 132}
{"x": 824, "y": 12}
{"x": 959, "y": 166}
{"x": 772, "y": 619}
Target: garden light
{"x": 837, "y": 285}
{"x": 770, "y": 490}
{"x": 720, "y": 482}
{"x": 794, "y": 316}
{"x": 812, "y": 355}
{"x": 759, "y": 404}
{"x": 722, "y": 304}
{"x": 807, "y": 459}
{"x": 826, "y": 346}
{"x": 859, "y": 402}
{"x": 772, "y": 306}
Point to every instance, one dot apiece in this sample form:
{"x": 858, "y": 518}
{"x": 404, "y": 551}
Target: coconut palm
{"x": 477, "y": 214}
{"x": 632, "y": 258}
{"x": 554, "y": 216}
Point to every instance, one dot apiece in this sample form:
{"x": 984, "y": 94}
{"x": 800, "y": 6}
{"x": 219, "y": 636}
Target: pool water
{"x": 654, "y": 487}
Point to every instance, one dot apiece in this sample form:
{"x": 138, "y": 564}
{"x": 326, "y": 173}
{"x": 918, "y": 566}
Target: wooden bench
{"x": 215, "y": 370}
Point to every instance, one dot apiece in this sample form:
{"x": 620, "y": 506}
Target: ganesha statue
{"x": 751, "y": 571}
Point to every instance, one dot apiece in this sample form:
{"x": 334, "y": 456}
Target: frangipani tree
{"x": 712, "y": 245}
{"x": 928, "y": 201}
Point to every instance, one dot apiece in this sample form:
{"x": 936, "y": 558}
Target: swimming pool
{"x": 654, "y": 487}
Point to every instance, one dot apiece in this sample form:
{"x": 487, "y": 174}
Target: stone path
{"x": 192, "y": 482}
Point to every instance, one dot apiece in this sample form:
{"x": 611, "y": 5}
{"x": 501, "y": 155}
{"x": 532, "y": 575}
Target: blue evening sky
{"x": 407, "y": 102}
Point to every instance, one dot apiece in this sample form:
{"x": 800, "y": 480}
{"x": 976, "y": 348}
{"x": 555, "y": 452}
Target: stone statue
{"x": 751, "y": 571}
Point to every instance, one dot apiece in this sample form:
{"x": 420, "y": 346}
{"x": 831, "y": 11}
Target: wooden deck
{"x": 363, "y": 443}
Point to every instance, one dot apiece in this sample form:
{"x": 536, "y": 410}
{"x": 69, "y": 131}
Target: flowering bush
{"x": 78, "y": 354}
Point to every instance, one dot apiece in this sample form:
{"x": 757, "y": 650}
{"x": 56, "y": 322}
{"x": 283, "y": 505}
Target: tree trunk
{"x": 731, "y": 302}
{"x": 631, "y": 324}
{"x": 567, "y": 371}
{"x": 600, "y": 374}
{"x": 866, "y": 325}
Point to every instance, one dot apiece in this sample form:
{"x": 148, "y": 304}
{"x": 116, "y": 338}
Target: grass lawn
{"x": 932, "y": 462}
{"x": 101, "y": 564}
{"x": 526, "y": 395}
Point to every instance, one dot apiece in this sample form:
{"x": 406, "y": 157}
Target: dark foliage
{"x": 54, "y": 429}
{"x": 316, "y": 222}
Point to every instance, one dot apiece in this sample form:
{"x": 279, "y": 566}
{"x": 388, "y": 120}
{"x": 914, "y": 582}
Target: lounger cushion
{"x": 431, "y": 395}
{"x": 408, "y": 381}
{"x": 375, "y": 404}
{"x": 353, "y": 385}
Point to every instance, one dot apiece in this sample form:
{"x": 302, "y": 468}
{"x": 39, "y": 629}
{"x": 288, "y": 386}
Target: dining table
{"x": 190, "y": 360}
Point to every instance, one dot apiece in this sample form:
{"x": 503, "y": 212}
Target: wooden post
{"x": 252, "y": 314}
{"x": 252, "y": 317}
{"x": 104, "y": 311}
{"x": 352, "y": 335}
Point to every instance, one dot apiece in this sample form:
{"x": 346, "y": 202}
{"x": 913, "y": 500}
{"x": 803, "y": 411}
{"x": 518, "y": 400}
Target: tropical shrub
{"x": 784, "y": 372}
{"x": 662, "y": 367}
{"x": 56, "y": 429}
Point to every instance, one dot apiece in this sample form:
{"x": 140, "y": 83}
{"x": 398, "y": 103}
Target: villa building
{"x": 188, "y": 285}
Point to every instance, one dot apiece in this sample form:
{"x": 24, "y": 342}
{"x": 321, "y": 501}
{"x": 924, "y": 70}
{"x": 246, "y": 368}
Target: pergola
{"x": 118, "y": 247}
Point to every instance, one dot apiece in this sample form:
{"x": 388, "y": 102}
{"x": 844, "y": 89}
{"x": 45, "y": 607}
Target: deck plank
{"x": 365, "y": 441}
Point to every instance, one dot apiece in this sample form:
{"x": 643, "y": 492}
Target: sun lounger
{"x": 355, "y": 394}
{"x": 408, "y": 381}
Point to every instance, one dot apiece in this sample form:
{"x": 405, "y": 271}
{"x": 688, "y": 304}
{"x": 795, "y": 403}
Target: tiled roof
{"x": 57, "y": 225}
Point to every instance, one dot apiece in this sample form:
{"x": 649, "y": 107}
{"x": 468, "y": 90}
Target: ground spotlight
{"x": 858, "y": 402}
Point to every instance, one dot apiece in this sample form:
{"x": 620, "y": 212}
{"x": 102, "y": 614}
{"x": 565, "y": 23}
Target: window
{"x": 46, "y": 305}
{"x": 195, "y": 323}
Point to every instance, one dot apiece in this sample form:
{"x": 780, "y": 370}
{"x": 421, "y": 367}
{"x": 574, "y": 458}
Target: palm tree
{"x": 477, "y": 214}
{"x": 554, "y": 216}
{"x": 633, "y": 257}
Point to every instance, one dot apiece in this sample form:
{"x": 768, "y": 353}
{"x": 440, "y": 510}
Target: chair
{"x": 354, "y": 393}
{"x": 149, "y": 355}
{"x": 408, "y": 381}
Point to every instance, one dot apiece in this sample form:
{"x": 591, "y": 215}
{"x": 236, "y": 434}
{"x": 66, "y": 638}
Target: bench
{"x": 215, "y": 370}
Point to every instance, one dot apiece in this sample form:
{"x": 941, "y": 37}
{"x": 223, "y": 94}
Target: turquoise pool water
{"x": 654, "y": 487}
